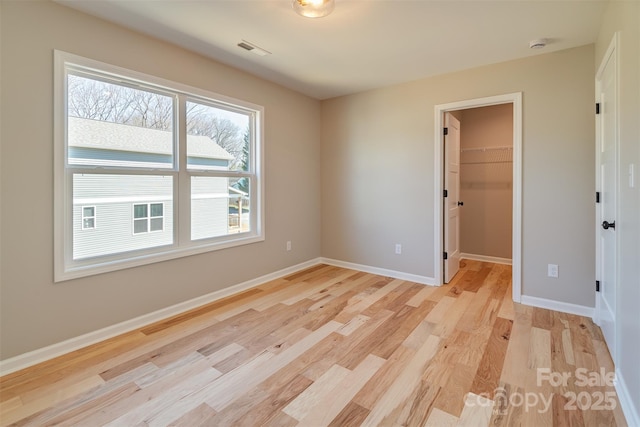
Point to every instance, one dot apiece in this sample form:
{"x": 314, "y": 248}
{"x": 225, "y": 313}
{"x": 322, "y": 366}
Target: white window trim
{"x": 148, "y": 218}
{"x": 65, "y": 268}
{"x": 83, "y": 217}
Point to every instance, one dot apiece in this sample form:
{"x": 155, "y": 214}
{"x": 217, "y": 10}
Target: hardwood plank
{"x": 422, "y": 295}
{"x": 165, "y": 384}
{"x": 300, "y": 407}
{"x": 477, "y": 411}
{"x": 439, "y": 418}
{"x": 353, "y": 324}
{"x": 269, "y": 409}
{"x": 541, "y": 318}
{"x": 446, "y": 326}
{"x": 506, "y": 414}
{"x": 321, "y": 286}
{"x": 238, "y": 381}
{"x": 374, "y": 297}
{"x": 150, "y": 410}
{"x": 11, "y": 415}
{"x": 94, "y": 397}
{"x": 309, "y": 272}
{"x": 517, "y": 351}
{"x": 404, "y": 383}
{"x": 452, "y": 397}
{"x": 331, "y": 404}
{"x": 200, "y": 416}
{"x": 351, "y": 416}
{"x": 375, "y": 387}
{"x": 200, "y": 311}
{"x": 507, "y": 310}
{"x": 540, "y": 349}
{"x": 487, "y": 376}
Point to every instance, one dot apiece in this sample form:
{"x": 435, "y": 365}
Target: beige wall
{"x": 486, "y": 181}
{"x": 35, "y": 312}
{"x": 378, "y": 183}
{"x": 624, "y": 16}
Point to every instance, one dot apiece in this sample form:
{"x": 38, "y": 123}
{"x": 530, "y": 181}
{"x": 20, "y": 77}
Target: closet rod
{"x": 506, "y": 147}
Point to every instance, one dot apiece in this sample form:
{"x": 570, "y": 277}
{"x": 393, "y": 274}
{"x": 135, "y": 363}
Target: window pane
{"x": 156, "y": 209}
{"x": 140, "y": 226}
{"x": 156, "y": 224}
{"x": 88, "y": 211}
{"x": 118, "y": 197}
{"x": 88, "y": 223}
{"x": 217, "y": 139}
{"x": 140, "y": 211}
{"x": 219, "y": 206}
{"x": 239, "y": 206}
{"x": 114, "y": 125}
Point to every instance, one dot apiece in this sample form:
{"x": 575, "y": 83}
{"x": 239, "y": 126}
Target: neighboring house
{"x": 121, "y": 216}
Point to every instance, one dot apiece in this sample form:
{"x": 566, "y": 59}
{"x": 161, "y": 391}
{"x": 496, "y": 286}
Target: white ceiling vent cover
{"x": 253, "y": 48}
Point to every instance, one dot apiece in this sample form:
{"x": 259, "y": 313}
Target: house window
{"x": 148, "y": 217}
{"x": 88, "y": 217}
{"x": 163, "y": 190}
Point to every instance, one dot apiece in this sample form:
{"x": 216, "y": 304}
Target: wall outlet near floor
{"x": 552, "y": 270}
{"x": 288, "y": 245}
{"x": 398, "y": 248}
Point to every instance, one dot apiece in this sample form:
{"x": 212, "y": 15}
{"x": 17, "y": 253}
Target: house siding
{"x": 113, "y": 197}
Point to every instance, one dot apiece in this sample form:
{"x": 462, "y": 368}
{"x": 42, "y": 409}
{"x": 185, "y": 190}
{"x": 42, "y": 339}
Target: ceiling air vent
{"x": 253, "y": 48}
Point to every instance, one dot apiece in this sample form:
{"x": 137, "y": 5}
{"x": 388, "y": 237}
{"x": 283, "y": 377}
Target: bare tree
{"x": 99, "y": 100}
{"x": 201, "y": 120}
{"x": 93, "y": 99}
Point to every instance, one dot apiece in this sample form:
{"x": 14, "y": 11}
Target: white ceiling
{"x": 363, "y": 44}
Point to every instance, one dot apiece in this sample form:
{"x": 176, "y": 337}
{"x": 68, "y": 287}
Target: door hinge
{"x": 597, "y": 285}
{"x": 445, "y": 255}
{"x": 446, "y": 131}
{"x": 597, "y": 108}
{"x": 445, "y": 193}
{"x": 597, "y": 197}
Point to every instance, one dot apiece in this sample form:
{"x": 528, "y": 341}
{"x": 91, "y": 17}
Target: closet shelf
{"x": 483, "y": 149}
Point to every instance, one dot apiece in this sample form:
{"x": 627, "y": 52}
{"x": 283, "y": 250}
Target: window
{"x": 148, "y": 217}
{"x": 163, "y": 190}
{"x": 88, "y": 217}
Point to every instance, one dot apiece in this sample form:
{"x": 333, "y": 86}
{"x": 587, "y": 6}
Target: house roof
{"x": 98, "y": 134}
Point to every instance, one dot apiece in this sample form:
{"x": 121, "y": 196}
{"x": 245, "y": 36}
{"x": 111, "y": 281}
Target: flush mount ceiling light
{"x": 313, "y": 8}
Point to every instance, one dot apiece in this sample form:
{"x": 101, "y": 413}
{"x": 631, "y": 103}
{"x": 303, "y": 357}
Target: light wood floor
{"x": 331, "y": 346}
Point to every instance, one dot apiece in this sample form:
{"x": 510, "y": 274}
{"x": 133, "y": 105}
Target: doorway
{"x": 515, "y": 99}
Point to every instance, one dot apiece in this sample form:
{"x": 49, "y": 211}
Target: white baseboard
{"x": 46, "y": 353}
{"x": 485, "y": 258}
{"x": 424, "y": 280}
{"x": 564, "y": 307}
{"x": 629, "y": 408}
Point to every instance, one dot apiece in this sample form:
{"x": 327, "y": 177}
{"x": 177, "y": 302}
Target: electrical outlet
{"x": 398, "y": 248}
{"x": 288, "y": 245}
{"x": 552, "y": 270}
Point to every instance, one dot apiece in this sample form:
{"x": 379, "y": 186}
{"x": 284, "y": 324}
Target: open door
{"x": 606, "y": 210}
{"x": 451, "y": 195}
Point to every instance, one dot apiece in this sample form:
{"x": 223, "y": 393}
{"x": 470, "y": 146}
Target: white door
{"x": 607, "y": 172}
{"x": 451, "y": 200}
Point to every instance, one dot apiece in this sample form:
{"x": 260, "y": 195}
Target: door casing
{"x": 598, "y": 318}
{"x": 510, "y": 98}
{"x": 451, "y": 216}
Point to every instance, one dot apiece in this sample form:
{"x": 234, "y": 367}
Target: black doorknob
{"x": 460, "y": 203}
{"x": 607, "y": 225}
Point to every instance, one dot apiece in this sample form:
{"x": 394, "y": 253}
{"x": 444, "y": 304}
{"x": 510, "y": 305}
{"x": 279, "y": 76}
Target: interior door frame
{"x": 611, "y": 49}
{"x": 516, "y": 257}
